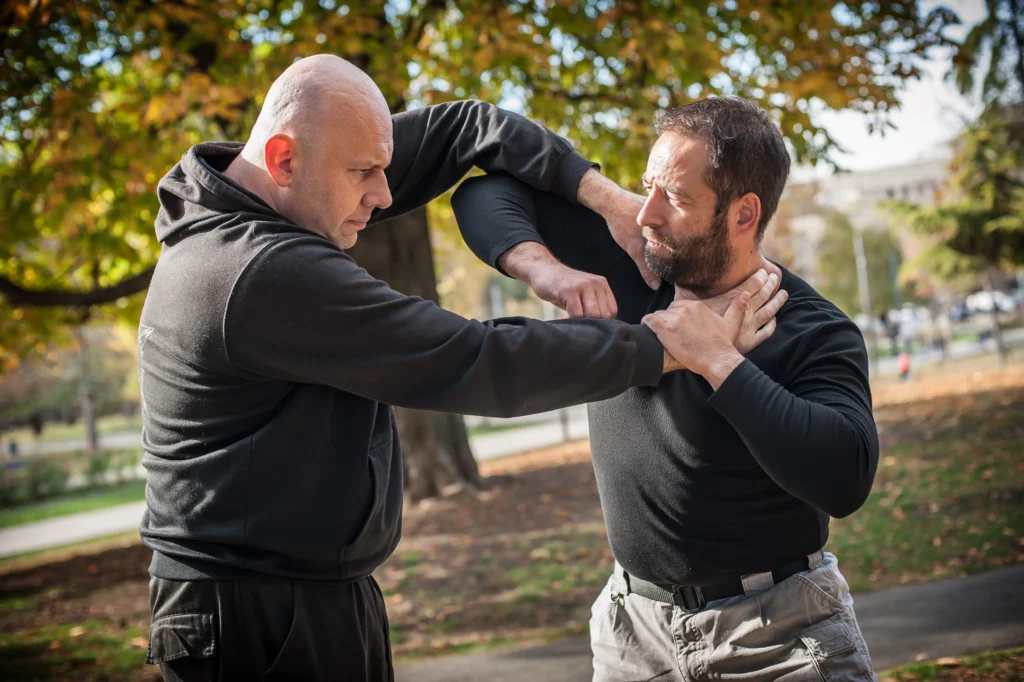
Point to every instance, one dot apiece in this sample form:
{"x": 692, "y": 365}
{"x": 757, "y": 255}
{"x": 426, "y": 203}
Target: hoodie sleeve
{"x": 304, "y": 311}
{"x": 436, "y": 146}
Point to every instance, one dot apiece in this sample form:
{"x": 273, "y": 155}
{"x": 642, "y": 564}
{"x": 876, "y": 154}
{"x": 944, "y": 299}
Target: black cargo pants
{"x": 209, "y": 630}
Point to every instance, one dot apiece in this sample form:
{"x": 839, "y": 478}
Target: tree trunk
{"x": 997, "y": 329}
{"x": 85, "y": 393}
{"x": 435, "y": 446}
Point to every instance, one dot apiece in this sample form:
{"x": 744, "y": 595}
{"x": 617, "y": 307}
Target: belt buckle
{"x": 689, "y": 599}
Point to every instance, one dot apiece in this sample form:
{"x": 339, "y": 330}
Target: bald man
{"x": 268, "y": 362}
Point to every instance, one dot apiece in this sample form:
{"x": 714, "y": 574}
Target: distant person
{"x": 892, "y": 330}
{"x": 903, "y": 366}
{"x": 269, "y": 361}
{"x": 717, "y": 485}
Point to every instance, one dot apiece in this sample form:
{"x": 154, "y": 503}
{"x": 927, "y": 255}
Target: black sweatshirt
{"x": 700, "y": 485}
{"x": 268, "y": 360}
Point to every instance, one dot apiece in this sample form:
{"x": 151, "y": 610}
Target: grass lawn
{"x": 522, "y": 560}
{"x": 55, "y": 431}
{"x": 484, "y": 429}
{"x": 74, "y": 503}
{"x": 993, "y": 666}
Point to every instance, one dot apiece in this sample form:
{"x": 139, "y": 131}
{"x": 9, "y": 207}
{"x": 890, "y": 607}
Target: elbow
{"x": 851, "y": 493}
{"x": 846, "y": 503}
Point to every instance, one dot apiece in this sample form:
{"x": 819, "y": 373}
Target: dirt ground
{"x": 523, "y": 559}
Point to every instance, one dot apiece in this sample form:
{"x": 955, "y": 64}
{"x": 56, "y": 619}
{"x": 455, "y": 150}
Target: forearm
{"x": 524, "y": 260}
{"x": 336, "y": 325}
{"x": 822, "y": 454}
{"x": 600, "y": 194}
{"x": 436, "y": 146}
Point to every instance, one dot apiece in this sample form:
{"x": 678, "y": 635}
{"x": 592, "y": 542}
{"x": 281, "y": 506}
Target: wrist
{"x": 721, "y": 366}
{"x": 524, "y": 260}
{"x": 670, "y": 364}
{"x": 597, "y": 192}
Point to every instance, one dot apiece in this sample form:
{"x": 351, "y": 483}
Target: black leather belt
{"x": 694, "y": 599}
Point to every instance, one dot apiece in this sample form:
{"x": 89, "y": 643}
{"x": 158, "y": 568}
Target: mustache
{"x": 652, "y": 235}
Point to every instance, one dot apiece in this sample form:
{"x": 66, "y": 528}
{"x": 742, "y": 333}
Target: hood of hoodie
{"x": 196, "y": 189}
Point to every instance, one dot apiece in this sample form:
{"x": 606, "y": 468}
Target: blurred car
{"x": 987, "y": 301}
{"x": 959, "y": 312}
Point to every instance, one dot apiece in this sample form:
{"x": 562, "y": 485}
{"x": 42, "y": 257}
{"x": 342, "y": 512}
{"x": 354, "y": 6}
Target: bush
{"x": 46, "y": 479}
{"x": 98, "y": 466}
{"x": 15, "y": 487}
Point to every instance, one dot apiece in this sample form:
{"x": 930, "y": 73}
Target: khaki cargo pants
{"x": 802, "y": 629}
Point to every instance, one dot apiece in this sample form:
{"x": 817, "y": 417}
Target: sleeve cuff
{"x": 570, "y": 171}
{"x": 730, "y": 393}
{"x": 650, "y": 356}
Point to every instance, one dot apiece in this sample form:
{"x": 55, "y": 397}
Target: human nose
{"x": 649, "y": 212}
{"x": 380, "y": 195}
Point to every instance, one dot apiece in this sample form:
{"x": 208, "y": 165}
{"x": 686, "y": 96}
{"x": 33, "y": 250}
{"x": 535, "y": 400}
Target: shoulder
{"x": 808, "y": 313}
{"x": 294, "y": 267}
{"x": 811, "y": 333}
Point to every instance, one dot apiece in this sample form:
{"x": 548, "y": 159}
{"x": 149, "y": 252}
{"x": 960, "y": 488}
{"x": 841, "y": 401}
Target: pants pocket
{"x": 283, "y": 663}
{"x": 833, "y": 646}
{"x": 183, "y": 635}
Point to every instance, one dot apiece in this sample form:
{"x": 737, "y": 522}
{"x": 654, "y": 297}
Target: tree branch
{"x": 65, "y": 298}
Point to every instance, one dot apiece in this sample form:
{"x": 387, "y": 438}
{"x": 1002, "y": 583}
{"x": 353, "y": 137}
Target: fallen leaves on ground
{"x": 523, "y": 559}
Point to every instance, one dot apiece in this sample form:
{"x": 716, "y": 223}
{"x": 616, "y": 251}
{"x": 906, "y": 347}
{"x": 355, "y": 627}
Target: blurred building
{"x": 801, "y": 220}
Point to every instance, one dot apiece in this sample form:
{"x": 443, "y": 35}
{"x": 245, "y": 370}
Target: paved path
{"x": 947, "y": 618}
{"x": 65, "y": 530}
{"x": 122, "y": 518}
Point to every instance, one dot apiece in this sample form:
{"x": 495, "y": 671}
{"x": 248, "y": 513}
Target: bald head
{"x": 318, "y": 150}
{"x": 300, "y": 100}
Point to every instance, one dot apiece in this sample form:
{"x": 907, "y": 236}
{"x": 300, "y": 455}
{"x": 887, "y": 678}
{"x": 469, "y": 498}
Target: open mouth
{"x": 654, "y": 243}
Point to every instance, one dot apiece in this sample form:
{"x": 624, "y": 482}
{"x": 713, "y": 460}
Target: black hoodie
{"x": 268, "y": 361}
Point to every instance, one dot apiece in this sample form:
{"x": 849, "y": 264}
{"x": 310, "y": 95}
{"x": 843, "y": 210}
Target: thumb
{"x": 737, "y": 309}
{"x": 653, "y": 321}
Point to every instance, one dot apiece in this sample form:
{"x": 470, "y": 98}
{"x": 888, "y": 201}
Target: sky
{"x": 931, "y": 112}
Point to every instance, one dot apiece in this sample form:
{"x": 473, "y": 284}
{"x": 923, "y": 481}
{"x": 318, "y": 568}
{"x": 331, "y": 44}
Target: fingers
{"x": 754, "y": 283}
{"x": 767, "y": 312}
{"x": 770, "y": 267}
{"x": 764, "y": 293}
{"x": 591, "y": 306}
{"x": 738, "y": 310}
{"x": 608, "y": 303}
{"x": 764, "y": 333}
{"x": 574, "y": 305}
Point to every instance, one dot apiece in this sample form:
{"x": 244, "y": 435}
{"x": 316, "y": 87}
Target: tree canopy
{"x": 979, "y": 224}
{"x": 101, "y": 98}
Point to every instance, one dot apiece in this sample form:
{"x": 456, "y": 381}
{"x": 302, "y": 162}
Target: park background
{"x": 905, "y": 207}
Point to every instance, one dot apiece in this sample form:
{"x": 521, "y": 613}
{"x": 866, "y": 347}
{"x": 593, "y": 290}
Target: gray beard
{"x": 697, "y": 262}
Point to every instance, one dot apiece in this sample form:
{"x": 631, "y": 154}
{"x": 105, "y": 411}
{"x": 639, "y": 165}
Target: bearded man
{"x": 717, "y": 484}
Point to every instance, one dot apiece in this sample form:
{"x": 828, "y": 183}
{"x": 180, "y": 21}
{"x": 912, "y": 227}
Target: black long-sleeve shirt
{"x": 700, "y": 485}
{"x": 268, "y": 360}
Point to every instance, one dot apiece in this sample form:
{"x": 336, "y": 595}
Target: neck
{"x": 742, "y": 267}
{"x": 251, "y": 177}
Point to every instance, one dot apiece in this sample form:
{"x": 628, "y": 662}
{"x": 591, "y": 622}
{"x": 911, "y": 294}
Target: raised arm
{"x": 436, "y": 146}
{"x": 564, "y": 251}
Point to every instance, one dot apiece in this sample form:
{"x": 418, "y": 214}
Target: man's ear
{"x": 278, "y": 155}
{"x": 746, "y": 214}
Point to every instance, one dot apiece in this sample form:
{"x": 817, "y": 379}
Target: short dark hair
{"x": 746, "y": 152}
